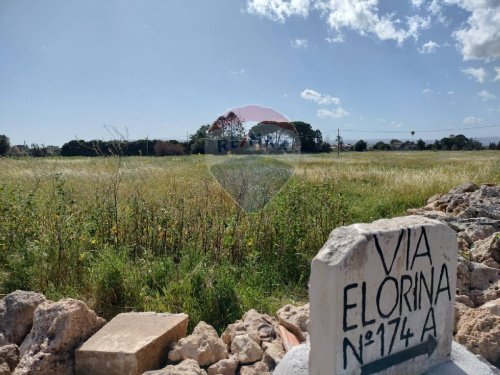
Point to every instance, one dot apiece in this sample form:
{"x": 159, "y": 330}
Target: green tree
{"x": 360, "y": 146}
{"x": 197, "y": 141}
{"x": 421, "y": 144}
{"x": 4, "y": 144}
{"x": 309, "y": 138}
{"x": 381, "y": 146}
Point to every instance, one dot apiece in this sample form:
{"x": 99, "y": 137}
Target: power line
{"x": 418, "y": 131}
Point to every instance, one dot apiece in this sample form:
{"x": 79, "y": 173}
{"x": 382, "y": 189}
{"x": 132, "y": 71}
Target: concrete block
{"x": 382, "y": 298}
{"x": 130, "y": 343}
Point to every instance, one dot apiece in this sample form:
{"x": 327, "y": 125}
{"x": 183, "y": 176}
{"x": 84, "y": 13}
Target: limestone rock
{"x": 273, "y": 353}
{"x": 203, "y": 345}
{"x": 493, "y": 307}
{"x": 259, "y": 368}
{"x": 478, "y": 281}
{"x": 16, "y": 315}
{"x": 467, "y": 187}
{"x": 9, "y": 358}
{"x": 478, "y": 231}
{"x": 487, "y": 251}
{"x": 479, "y": 331}
{"x": 224, "y": 367}
{"x": 186, "y": 367}
{"x": 247, "y": 350}
{"x": 58, "y": 329}
{"x": 295, "y": 319}
{"x": 260, "y": 327}
{"x": 233, "y": 330}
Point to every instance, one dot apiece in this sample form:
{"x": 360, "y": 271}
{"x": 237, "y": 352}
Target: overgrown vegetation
{"x": 160, "y": 234}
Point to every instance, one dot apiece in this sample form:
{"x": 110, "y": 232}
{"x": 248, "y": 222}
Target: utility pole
{"x": 187, "y": 143}
{"x": 147, "y": 145}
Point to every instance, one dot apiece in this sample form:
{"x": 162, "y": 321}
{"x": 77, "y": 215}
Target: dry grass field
{"x": 160, "y": 233}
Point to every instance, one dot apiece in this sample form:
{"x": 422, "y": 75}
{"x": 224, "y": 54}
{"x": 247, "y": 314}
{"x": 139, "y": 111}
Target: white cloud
{"x": 472, "y": 120}
{"x": 362, "y": 16}
{"x": 299, "y": 43}
{"x": 479, "y": 74}
{"x": 235, "y": 72}
{"x": 338, "y": 38}
{"x": 429, "y": 47}
{"x": 497, "y": 71}
{"x": 279, "y": 10}
{"x": 335, "y": 113}
{"x": 315, "y": 96}
{"x": 486, "y": 95}
{"x": 480, "y": 39}
{"x": 417, "y": 3}
{"x": 429, "y": 92}
{"x": 450, "y": 92}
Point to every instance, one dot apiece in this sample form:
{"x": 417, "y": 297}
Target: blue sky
{"x": 162, "y": 68}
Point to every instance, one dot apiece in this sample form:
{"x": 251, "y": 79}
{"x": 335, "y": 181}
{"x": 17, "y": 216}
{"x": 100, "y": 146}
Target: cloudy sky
{"x": 162, "y": 68}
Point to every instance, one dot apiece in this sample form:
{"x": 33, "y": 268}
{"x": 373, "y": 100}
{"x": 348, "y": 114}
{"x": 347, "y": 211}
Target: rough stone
{"x": 273, "y": 353}
{"x": 295, "y": 319}
{"x": 479, "y": 331}
{"x": 186, "y": 367}
{"x": 295, "y": 362}
{"x": 487, "y": 251}
{"x": 467, "y": 187}
{"x": 224, "y": 367}
{"x": 364, "y": 277}
{"x": 477, "y": 281}
{"x": 260, "y": 327}
{"x": 16, "y": 315}
{"x": 478, "y": 232}
{"x": 203, "y": 345}
{"x": 9, "y": 358}
{"x": 131, "y": 343}
{"x": 259, "y": 368}
{"x": 58, "y": 329}
{"x": 246, "y": 349}
{"x": 493, "y": 307}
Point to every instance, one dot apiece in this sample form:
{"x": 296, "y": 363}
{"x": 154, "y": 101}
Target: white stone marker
{"x": 382, "y": 298}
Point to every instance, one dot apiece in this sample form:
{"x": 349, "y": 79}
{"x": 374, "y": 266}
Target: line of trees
{"x": 451, "y": 143}
{"x": 311, "y": 142}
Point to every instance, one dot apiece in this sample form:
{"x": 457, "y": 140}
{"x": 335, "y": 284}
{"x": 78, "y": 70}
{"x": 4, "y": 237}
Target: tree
{"x": 197, "y": 141}
{"x": 420, "y": 144}
{"x": 4, "y": 144}
{"x": 360, "y": 146}
{"x": 310, "y": 140}
{"x": 381, "y": 146}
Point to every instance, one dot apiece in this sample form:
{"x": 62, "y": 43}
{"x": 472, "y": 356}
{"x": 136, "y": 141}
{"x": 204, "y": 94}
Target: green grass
{"x": 161, "y": 234}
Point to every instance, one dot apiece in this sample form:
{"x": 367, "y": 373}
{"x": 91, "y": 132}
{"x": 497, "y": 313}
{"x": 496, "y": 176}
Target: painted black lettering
{"x": 427, "y": 252}
{"x": 395, "y": 253}
{"x": 404, "y": 293}
{"x": 357, "y": 354}
{"x": 430, "y": 314}
{"x": 429, "y": 291}
{"x": 348, "y": 307}
{"x": 444, "y": 270}
{"x": 396, "y": 296}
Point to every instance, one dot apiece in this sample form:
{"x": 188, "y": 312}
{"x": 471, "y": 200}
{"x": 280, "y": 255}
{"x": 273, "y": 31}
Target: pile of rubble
{"x": 474, "y": 213}
{"x": 38, "y": 336}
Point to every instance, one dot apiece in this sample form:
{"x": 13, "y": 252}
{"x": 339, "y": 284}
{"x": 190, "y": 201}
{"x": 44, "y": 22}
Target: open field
{"x": 159, "y": 233}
